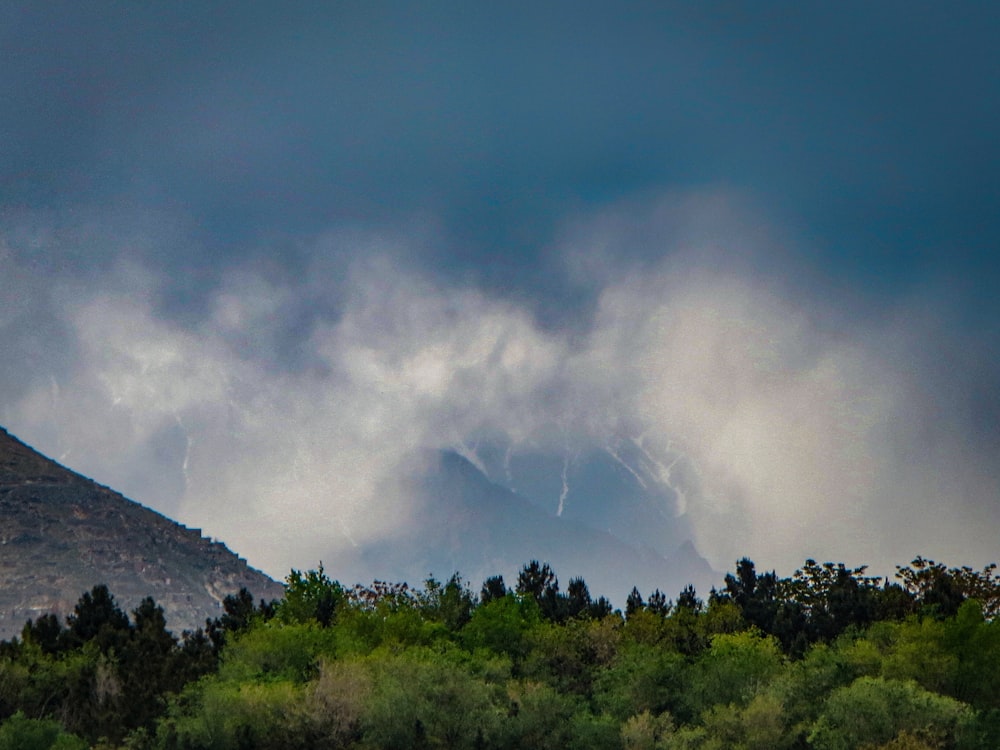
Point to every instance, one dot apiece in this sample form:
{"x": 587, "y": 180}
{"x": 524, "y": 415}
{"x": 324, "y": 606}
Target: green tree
{"x": 285, "y": 652}
{"x": 644, "y": 731}
{"x": 755, "y": 595}
{"x": 874, "y": 711}
{"x": 148, "y": 667}
{"x": 578, "y": 601}
{"x": 46, "y": 632}
{"x": 642, "y": 677}
{"x": 760, "y": 725}
{"x": 975, "y": 642}
{"x": 422, "y": 699}
{"x": 450, "y": 604}
{"x": 568, "y": 656}
{"x": 538, "y": 717}
{"x": 310, "y": 596}
{"x": 918, "y": 652}
{"x": 634, "y": 603}
{"x": 688, "y": 599}
{"x": 502, "y": 626}
{"x": 21, "y": 733}
{"x": 832, "y": 597}
{"x": 334, "y": 704}
{"x": 224, "y": 715}
{"x": 734, "y": 669}
{"x": 493, "y": 588}
{"x": 937, "y": 589}
{"x": 538, "y": 581}
{"x": 97, "y": 618}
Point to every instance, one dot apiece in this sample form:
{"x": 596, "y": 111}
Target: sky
{"x": 256, "y": 259}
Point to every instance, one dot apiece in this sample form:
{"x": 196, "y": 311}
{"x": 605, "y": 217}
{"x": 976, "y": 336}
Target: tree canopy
{"x": 828, "y": 658}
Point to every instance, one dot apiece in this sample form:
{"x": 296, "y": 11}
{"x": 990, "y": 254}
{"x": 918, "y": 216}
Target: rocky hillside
{"x": 61, "y": 533}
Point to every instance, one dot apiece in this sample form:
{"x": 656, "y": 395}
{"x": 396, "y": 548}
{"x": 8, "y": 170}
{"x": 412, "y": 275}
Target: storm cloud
{"x": 803, "y": 431}
{"x": 255, "y": 262}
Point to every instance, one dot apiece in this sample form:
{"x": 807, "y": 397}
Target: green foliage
{"x": 918, "y": 653}
{"x": 874, "y": 711}
{"x": 224, "y": 715}
{"x": 721, "y": 617}
{"x": 44, "y": 632}
{"x": 734, "y": 669}
{"x": 760, "y": 725}
{"x": 285, "y": 653}
{"x": 538, "y": 581}
{"x": 804, "y": 684}
{"x": 940, "y": 590}
{"x": 828, "y": 659}
{"x": 975, "y": 642}
{"x": 21, "y": 733}
{"x": 568, "y": 656}
{"x": 310, "y": 597}
{"x": 634, "y": 603}
{"x": 334, "y": 704}
{"x": 451, "y": 604}
{"x": 502, "y": 626}
{"x": 539, "y": 716}
{"x": 96, "y": 619}
{"x": 980, "y": 732}
{"x": 644, "y": 731}
{"x": 362, "y": 630}
{"x": 642, "y": 678}
{"x": 422, "y": 699}
{"x": 102, "y": 676}
{"x": 239, "y": 612}
{"x": 493, "y": 588}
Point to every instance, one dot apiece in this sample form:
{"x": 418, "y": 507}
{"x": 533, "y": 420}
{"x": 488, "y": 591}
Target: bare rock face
{"x": 61, "y": 534}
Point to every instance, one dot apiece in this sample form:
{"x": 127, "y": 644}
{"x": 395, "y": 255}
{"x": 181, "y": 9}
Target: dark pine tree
{"x": 578, "y": 600}
{"x": 493, "y": 588}
{"x": 539, "y": 582}
{"x": 97, "y": 617}
{"x": 634, "y": 602}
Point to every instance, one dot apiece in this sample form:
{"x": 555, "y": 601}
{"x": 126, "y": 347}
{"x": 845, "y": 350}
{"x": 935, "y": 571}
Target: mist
{"x": 289, "y": 414}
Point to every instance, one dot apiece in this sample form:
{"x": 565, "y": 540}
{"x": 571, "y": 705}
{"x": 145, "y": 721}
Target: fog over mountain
{"x": 781, "y": 435}
{"x": 479, "y": 529}
{"x": 718, "y": 273}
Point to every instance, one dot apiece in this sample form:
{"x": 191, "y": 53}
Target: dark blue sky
{"x": 867, "y": 128}
{"x": 270, "y": 179}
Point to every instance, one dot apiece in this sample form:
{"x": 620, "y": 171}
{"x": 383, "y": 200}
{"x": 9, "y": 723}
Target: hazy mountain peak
{"x": 479, "y": 526}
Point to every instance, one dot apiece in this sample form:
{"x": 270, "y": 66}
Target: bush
{"x": 874, "y": 711}
{"x": 21, "y": 733}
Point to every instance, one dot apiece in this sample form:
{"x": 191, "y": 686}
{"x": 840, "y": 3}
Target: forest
{"x": 828, "y": 658}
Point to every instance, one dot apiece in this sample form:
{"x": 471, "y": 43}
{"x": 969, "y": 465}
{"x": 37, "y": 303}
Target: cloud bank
{"x": 287, "y": 414}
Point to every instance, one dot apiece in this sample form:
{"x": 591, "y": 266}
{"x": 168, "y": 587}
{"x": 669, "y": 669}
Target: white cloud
{"x": 779, "y": 425}
{"x": 801, "y": 438}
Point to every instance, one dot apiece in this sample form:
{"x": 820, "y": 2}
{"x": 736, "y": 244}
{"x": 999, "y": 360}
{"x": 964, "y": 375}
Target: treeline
{"x": 828, "y": 658}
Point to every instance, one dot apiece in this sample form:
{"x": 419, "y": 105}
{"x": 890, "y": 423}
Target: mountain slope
{"x": 628, "y": 487}
{"x": 61, "y": 533}
{"x": 479, "y": 528}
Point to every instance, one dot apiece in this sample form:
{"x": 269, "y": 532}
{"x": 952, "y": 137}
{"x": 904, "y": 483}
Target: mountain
{"x": 480, "y": 528}
{"x": 629, "y": 487}
{"x": 61, "y": 534}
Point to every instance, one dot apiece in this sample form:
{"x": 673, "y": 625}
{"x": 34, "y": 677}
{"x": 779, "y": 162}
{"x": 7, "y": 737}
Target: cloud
{"x": 291, "y": 463}
{"x": 805, "y": 432}
{"x": 811, "y": 429}
{"x": 779, "y": 427}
